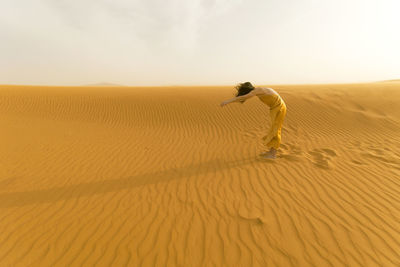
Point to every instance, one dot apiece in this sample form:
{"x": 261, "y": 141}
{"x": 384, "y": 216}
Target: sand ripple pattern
{"x": 123, "y": 176}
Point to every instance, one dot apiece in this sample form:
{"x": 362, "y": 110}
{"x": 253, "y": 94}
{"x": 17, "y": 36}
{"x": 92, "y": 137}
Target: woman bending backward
{"x": 277, "y": 111}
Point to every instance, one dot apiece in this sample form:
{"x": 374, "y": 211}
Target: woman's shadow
{"x": 55, "y": 194}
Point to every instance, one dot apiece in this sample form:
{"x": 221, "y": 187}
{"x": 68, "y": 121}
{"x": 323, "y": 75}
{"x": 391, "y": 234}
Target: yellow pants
{"x": 273, "y": 138}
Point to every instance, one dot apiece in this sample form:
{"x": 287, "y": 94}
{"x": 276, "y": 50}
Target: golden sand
{"x": 123, "y": 176}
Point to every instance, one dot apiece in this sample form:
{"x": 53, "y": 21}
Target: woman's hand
{"x": 224, "y": 103}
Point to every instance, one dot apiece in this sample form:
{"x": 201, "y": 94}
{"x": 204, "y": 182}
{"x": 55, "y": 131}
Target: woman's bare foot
{"x": 271, "y": 154}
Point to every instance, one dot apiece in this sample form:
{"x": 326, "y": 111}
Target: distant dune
{"x": 167, "y": 177}
{"x": 390, "y": 81}
{"x": 103, "y": 84}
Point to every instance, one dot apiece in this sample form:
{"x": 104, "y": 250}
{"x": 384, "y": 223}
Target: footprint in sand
{"x": 382, "y": 155}
{"x": 290, "y": 152}
{"x": 381, "y": 152}
{"x": 250, "y": 214}
{"x": 322, "y": 157}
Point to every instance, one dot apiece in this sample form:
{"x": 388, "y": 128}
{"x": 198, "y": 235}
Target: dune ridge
{"x": 163, "y": 176}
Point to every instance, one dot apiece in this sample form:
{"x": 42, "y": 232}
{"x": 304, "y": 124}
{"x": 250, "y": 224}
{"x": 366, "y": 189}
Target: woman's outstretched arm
{"x": 238, "y": 98}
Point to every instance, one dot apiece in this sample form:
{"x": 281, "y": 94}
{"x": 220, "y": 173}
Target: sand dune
{"x": 104, "y": 84}
{"x": 163, "y": 176}
{"x": 391, "y": 81}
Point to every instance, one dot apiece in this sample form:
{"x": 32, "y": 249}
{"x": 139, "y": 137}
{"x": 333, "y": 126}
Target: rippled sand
{"x": 123, "y": 176}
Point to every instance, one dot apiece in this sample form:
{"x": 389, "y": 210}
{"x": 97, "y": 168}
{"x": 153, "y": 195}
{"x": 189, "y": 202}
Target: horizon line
{"x": 191, "y": 85}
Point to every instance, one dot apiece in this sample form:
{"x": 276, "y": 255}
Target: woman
{"x": 277, "y": 111}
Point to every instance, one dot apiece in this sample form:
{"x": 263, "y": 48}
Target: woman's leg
{"x": 273, "y": 139}
{"x": 271, "y": 132}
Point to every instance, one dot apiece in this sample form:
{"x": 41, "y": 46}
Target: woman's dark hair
{"x": 244, "y": 88}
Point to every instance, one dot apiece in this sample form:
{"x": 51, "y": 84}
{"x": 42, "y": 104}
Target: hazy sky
{"x": 181, "y": 42}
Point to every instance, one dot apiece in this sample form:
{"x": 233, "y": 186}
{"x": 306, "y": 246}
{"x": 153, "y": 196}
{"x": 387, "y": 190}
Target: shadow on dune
{"x": 113, "y": 185}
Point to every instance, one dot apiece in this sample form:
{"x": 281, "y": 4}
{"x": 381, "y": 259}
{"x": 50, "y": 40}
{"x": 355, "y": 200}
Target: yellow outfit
{"x": 277, "y": 114}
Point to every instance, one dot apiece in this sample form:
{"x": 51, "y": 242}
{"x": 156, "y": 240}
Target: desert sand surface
{"x": 164, "y": 176}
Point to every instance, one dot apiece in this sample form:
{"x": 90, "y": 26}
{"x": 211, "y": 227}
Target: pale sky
{"x": 198, "y": 42}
